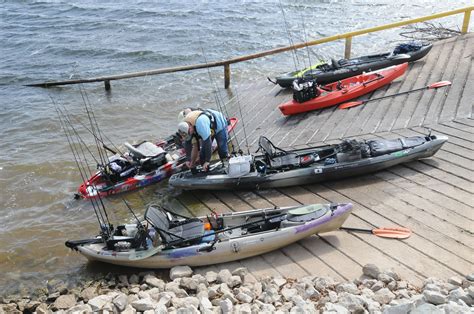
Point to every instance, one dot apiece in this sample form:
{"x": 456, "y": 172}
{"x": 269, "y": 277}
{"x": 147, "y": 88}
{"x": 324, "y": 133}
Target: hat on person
{"x": 183, "y": 130}
{"x": 182, "y": 114}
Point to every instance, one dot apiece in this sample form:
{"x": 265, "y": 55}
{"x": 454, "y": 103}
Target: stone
{"x": 226, "y": 306}
{"x": 333, "y": 297}
{"x": 98, "y": 302}
{"x": 402, "y": 284}
{"x": 65, "y": 301}
{"x": 134, "y": 290}
{"x": 204, "y": 303}
{"x": 175, "y": 288}
{"x": 134, "y": 279}
{"x": 223, "y": 276}
{"x": 384, "y": 278}
{"x": 190, "y": 309}
{"x": 212, "y": 293}
{"x": 383, "y": 296}
{"x": 180, "y": 272}
{"x": 257, "y": 288}
{"x": 243, "y": 297}
{"x": 241, "y": 272}
{"x": 161, "y": 309}
{"x": 311, "y": 293}
{"x": 371, "y": 270}
{"x": 165, "y": 298}
{"x": 377, "y": 286}
{"x": 234, "y": 281}
{"x": 347, "y": 287}
{"x": 470, "y": 277}
{"x": 143, "y": 295}
{"x": 120, "y": 301}
{"x": 230, "y": 296}
{"x": 288, "y": 294}
{"x": 189, "y": 283}
{"x": 269, "y": 296}
{"x": 432, "y": 287}
{"x": 470, "y": 291}
{"x": 152, "y": 281}
{"x": 40, "y": 309}
{"x": 434, "y": 297}
{"x": 460, "y": 294}
{"x": 455, "y": 281}
{"x": 279, "y": 281}
{"x": 403, "y": 307}
{"x": 351, "y": 302}
{"x": 184, "y": 302}
{"x": 244, "y": 308}
{"x": 143, "y": 305}
{"x": 211, "y": 276}
{"x": 454, "y": 308}
{"x": 335, "y": 308}
{"x": 80, "y": 308}
{"x": 427, "y": 308}
{"x": 123, "y": 279}
{"x": 200, "y": 279}
{"x": 392, "y": 285}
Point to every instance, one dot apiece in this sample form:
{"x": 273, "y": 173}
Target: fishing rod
{"x": 117, "y": 151}
{"x": 93, "y": 123}
{"x": 243, "y": 124}
{"x": 77, "y": 158}
{"x": 290, "y": 39}
{"x": 217, "y": 95}
{"x": 306, "y": 39}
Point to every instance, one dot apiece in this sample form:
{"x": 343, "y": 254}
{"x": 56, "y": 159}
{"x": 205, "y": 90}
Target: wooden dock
{"x": 432, "y": 197}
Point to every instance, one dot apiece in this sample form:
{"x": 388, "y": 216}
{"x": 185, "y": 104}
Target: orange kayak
{"x": 344, "y": 90}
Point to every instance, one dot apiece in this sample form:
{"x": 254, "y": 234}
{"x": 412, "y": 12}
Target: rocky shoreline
{"x": 375, "y": 291}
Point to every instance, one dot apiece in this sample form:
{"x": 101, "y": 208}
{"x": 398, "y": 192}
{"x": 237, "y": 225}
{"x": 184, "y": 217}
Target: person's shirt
{"x": 203, "y": 124}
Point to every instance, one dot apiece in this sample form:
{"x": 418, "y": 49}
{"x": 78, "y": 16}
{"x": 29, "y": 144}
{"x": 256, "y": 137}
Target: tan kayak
{"x": 167, "y": 239}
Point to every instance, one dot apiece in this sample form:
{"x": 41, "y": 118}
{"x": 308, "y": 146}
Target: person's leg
{"x": 221, "y": 139}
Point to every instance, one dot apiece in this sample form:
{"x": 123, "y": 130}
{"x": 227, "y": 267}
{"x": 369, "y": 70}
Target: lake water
{"x": 57, "y": 40}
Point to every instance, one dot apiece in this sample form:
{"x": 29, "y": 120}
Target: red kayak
{"x": 144, "y": 164}
{"x": 344, "y": 90}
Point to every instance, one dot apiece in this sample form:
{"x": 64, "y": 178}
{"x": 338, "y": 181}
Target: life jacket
{"x": 192, "y": 117}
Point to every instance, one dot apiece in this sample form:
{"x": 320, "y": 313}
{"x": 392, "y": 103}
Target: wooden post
{"x": 226, "y": 75}
{"x": 465, "y": 22}
{"x": 107, "y": 85}
{"x": 347, "y": 50}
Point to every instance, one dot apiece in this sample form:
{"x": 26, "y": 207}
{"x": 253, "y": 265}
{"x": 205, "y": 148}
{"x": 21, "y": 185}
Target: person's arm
{"x": 194, "y": 155}
{"x": 207, "y": 150}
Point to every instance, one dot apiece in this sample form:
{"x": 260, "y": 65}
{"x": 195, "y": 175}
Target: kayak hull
{"x": 354, "y": 66}
{"x": 98, "y": 185}
{"x": 226, "y": 250}
{"x": 306, "y": 175}
{"x": 350, "y": 88}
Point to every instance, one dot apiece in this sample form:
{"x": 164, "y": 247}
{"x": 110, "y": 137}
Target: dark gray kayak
{"x": 336, "y": 70}
{"x": 280, "y": 168}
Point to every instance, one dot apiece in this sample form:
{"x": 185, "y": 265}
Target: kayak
{"x": 168, "y": 239}
{"x": 328, "y": 72}
{"x": 144, "y": 164}
{"x": 341, "y": 91}
{"x": 281, "y": 168}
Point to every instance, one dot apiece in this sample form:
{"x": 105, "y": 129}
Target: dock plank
{"x": 433, "y": 197}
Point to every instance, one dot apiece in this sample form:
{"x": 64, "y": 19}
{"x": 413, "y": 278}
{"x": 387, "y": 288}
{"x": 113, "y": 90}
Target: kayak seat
{"x": 171, "y": 231}
{"x": 276, "y": 157}
{"x": 148, "y": 155}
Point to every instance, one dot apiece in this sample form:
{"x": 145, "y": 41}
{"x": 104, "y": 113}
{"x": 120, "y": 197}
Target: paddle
{"x": 435, "y": 85}
{"x": 392, "y": 232}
